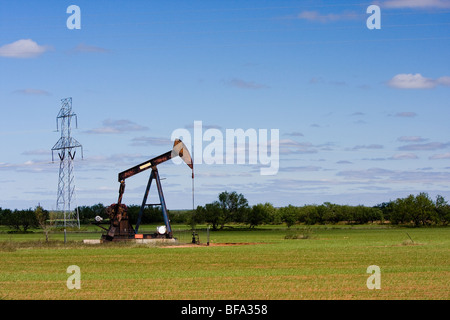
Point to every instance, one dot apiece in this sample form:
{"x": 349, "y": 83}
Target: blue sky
{"x": 362, "y": 114}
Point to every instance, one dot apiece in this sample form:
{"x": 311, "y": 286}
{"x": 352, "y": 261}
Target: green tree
{"x": 424, "y": 209}
{"x": 319, "y": 214}
{"x": 362, "y": 214}
{"x": 213, "y": 214}
{"x": 309, "y": 214}
{"x": 330, "y": 212}
{"x": 289, "y": 215}
{"x": 88, "y": 213}
{"x": 5, "y": 216}
{"x": 442, "y": 210}
{"x": 234, "y": 207}
{"x": 386, "y": 209}
{"x": 418, "y": 209}
{"x": 42, "y": 217}
{"x": 400, "y": 210}
{"x": 259, "y": 214}
{"x": 21, "y": 220}
{"x": 195, "y": 217}
{"x": 275, "y": 216}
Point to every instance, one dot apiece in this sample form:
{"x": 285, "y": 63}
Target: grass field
{"x": 321, "y": 262}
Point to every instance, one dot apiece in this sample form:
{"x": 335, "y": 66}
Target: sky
{"x": 359, "y": 115}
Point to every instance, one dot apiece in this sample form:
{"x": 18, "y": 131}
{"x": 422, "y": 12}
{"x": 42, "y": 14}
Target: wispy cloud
{"x": 288, "y": 146}
{"x": 28, "y": 166}
{"x": 316, "y": 16}
{"x": 295, "y": 134}
{"x": 300, "y": 169}
{"x": 386, "y": 177}
{"x": 404, "y": 156}
{"x": 406, "y": 114}
{"x": 343, "y": 162}
{"x": 24, "y": 48}
{"x": 117, "y": 126}
{"x": 371, "y": 173}
{"x": 425, "y": 146}
{"x": 84, "y": 48}
{"x": 370, "y": 146}
{"x": 417, "y": 81}
{"x": 37, "y": 152}
{"x": 411, "y": 139}
{"x": 204, "y": 126}
{"x": 144, "y": 141}
{"x": 398, "y": 4}
{"x": 440, "y": 156}
{"x": 243, "y": 84}
{"x": 32, "y": 92}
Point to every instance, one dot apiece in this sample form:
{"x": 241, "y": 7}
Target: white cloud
{"x": 32, "y": 92}
{"x": 416, "y": 81}
{"x": 144, "y": 141}
{"x": 289, "y": 146}
{"x": 24, "y": 48}
{"x": 416, "y": 4}
{"x": 406, "y": 114}
{"x": 445, "y": 81}
{"x": 370, "y": 146}
{"x": 28, "y": 166}
{"x": 425, "y": 146}
{"x": 440, "y": 156}
{"x": 243, "y": 84}
{"x": 300, "y": 169}
{"x": 325, "y": 18}
{"x": 117, "y": 126}
{"x": 411, "y": 81}
{"x": 38, "y": 152}
{"x": 386, "y": 177}
{"x": 404, "y": 156}
{"x": 295, "y": 134}
{"x": 344, "y": 162}
{"x": 411, "y": 139}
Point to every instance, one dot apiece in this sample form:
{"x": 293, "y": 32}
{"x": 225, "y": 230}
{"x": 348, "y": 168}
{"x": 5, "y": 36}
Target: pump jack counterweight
{"x": 120, "y": 227}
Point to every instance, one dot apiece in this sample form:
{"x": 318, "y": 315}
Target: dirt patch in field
{"x": 225, "y": 244}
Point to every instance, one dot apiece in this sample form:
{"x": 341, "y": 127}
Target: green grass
{"x": 330, "y": 263}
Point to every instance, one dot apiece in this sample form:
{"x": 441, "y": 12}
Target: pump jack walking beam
{"x": 179, "y": 149}
{"x": 145, "y": 165}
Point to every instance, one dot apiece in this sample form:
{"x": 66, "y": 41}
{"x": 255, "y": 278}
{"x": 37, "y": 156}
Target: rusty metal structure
{"x": 120, "y": 227}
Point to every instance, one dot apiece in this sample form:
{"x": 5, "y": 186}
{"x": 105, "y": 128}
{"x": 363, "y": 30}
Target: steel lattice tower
{"x": 66, "y": 148}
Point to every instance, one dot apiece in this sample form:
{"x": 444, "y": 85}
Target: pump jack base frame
{"x": 149, "y": 240}
{"x": 138, "y": 237}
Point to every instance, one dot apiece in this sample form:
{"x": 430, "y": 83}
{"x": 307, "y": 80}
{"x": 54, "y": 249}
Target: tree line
{"x": 417, "y": 210}
{"x": 233, "y": 207}
{"x": 23, "y": 220}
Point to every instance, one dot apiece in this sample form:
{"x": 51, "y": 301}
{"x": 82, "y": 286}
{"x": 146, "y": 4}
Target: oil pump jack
{"x": 120, "y": 227}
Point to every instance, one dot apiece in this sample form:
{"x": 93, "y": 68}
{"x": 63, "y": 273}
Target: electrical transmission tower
{"x": 66, "y": 148}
